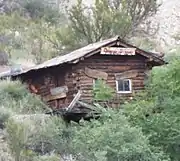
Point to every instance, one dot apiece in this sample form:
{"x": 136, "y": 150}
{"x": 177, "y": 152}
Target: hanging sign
{"x": 118, "y": 51}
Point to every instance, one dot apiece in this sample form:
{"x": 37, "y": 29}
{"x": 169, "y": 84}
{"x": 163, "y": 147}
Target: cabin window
{"x": 123, "y": 86}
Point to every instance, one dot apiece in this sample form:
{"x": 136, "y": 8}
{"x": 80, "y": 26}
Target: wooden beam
{"x": 95, "y": 73}
{"x": 127, "y": 74}
{"x": 74, "y": 101}
{"x": 54, "y": 97}
{"x": 86, "y": 105}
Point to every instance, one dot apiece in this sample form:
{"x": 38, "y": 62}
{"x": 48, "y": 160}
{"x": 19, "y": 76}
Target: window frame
{"x": 125, "y": 92}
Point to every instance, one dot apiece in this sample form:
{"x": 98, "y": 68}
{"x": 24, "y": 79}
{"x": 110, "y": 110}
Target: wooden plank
{"x": 95, "y": 73}
{"x": 74, "y": 101}
{"x": 55, "y": 97}
{"x": 58, "y": 90}
{"x": 127, "y": 74}
{"x": 89, "y": 106}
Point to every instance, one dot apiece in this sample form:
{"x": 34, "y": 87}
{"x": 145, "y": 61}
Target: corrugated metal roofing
{"x": 79, "y": 53}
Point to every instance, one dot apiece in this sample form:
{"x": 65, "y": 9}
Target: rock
{"x": 169, "y": 22}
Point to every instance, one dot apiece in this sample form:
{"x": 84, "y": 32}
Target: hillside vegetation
{"x": 144, "y": 129}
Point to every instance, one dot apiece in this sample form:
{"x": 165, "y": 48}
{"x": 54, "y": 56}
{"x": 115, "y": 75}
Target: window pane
{"x": 126, "y": 85}
{"x": 120, "y": 85}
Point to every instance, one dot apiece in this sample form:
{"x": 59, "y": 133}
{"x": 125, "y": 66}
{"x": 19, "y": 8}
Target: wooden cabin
{"x": 122, "y": 66}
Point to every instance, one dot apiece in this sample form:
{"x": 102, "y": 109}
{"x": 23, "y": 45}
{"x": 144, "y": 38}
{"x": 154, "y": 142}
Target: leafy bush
{"x": 161, "y": 124}
{"x": 27, "y": 140}
{"x": 33, "y": 136}
{"x": 112, "y": 138}
{"x": 52, "y": 135}
{"x": 165, "y": 80}
{"x": 157, "y": 113}
{"x": 17, "y": 136}
{"x": 15, "y": 96}
{"x": 102, "y": 92}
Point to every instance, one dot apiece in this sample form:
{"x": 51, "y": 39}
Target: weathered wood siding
{"x": 111, "y": 65}
{"x": 74, "y": 78}
{"x": 46, "y": 79}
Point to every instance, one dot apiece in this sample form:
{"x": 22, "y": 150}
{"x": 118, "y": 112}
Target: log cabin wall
{"x": 74, "y": 77}
{"x": 110, "y": 65}
{"x": 46, "y": 79}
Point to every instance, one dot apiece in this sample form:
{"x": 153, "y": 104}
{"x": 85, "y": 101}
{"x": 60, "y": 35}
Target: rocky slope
{"x": 168, "y": 17}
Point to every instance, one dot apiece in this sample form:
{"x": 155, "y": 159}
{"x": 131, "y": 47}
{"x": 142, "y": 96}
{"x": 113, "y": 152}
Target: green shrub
{"x": 109, "y": 138}
{"x": 102, "y": 92}
{"x": 112, "y": 138}
{"x": 31, "y": 136}
{"x": 160, "y": 122}
{"x": 15, "y": 96}
{"x": 13, "y": 89}
{"x": 52, "y": 135}
{"x": 17, "y": 137}
{"x": 28, "y": 138}
{"x": 165, "y": 81}
{"x": 157, "y": 113}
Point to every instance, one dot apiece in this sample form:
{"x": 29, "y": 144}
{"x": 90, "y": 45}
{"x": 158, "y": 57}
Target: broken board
{"x": 58, "y": 90}
{"x": 54, "y": 97}
{"x": 95, "y": 73}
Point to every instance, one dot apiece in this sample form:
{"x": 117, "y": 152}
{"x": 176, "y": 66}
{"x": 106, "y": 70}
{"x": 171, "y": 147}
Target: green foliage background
{"x": 38, "y": 136}
{"x": 16, "y": 97}
{"x": 157, "y": 112}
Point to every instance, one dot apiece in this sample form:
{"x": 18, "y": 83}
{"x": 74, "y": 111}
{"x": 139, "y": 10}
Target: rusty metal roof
{"x": 75, "y": 56}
